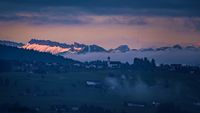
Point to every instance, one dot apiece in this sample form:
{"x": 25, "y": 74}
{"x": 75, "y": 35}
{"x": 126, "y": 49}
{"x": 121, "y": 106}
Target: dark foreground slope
{"x": 115, "y": 91}
{"x": 13, "y": 53}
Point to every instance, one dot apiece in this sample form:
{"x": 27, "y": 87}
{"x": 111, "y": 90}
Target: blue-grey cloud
{"x": 116, "y": 11}
{"x": 136, "y": 7}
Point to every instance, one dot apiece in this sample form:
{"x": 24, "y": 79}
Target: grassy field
{"x": 115, "y": 87}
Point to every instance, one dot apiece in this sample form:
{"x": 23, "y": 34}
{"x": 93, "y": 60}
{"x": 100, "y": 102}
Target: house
{"x": 175, "y": 67}
{"x": 92, "y": 83}
{"x": 113, "y": 64}
{"x": 134, "y": 104}
{"x": 90, "y": 66}
{"x": 96, "y": 64}
{"x": 77, "y": 65}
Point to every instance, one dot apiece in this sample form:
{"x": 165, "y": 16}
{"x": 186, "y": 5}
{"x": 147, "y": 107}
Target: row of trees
{"x": 144, "y": 63}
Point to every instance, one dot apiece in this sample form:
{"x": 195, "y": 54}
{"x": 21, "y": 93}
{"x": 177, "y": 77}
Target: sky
{"x": 108, "y": 23}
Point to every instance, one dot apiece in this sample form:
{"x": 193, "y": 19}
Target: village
{"x": 55, "y": 67}
{"x": 95, "y": 81}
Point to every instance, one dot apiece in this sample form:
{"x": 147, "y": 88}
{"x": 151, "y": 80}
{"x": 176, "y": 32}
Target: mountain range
{"x": 61, "y": 48}
{"x": 77, "y": 48}
{"x": 82, "y": 52}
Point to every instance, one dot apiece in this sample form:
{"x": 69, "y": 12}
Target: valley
{"x": 116, "y": 91}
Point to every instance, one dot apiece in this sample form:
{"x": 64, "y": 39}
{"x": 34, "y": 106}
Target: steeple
{"x": 108, "y": 62}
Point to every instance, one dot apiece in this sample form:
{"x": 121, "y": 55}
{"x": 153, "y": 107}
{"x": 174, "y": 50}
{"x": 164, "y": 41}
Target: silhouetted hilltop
{"x": 13, "y": 53}
{"x": 11, "y": 43}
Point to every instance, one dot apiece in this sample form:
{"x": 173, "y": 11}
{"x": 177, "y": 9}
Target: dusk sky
{"x": 108, "y": 23}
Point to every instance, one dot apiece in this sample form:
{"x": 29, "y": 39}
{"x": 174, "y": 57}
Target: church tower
{"x": 108, "y": 62}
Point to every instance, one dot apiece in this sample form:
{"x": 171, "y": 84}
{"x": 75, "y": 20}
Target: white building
{"x": 113, "y": 64}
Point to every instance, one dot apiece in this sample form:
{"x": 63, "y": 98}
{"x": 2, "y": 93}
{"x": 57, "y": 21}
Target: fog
{"x": 139, "y": 90}
{"x": 191, "y": 57}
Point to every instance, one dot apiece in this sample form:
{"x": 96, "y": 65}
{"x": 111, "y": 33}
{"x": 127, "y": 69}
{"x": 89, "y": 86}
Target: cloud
{"x": 153, "y": 21}
{"x": 52, "y": 17}
{"x": 87, "y": 11}
{"x": 109, "y": 7}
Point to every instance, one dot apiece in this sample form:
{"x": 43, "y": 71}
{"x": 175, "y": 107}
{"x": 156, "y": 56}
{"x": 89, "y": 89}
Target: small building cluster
{"x": 113, "y": 64}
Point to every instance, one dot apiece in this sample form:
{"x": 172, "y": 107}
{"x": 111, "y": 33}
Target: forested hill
{"x": 14, "y": 53}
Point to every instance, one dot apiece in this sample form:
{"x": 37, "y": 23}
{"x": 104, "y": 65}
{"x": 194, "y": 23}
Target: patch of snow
{"x": 77, "y": 48}
{"x": 45, "y": 48}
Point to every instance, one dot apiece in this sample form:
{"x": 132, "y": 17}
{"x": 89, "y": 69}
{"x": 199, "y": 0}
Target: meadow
{"x": 116, "y": 90}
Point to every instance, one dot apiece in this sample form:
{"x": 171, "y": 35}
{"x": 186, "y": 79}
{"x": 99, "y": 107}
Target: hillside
{"x": 13, "y": 53}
